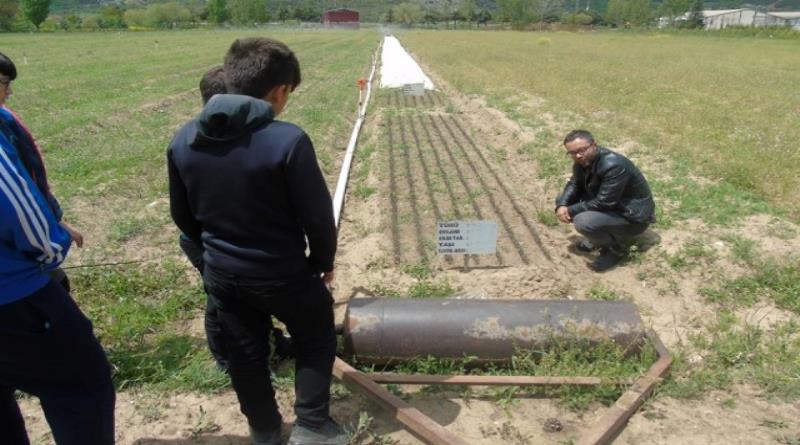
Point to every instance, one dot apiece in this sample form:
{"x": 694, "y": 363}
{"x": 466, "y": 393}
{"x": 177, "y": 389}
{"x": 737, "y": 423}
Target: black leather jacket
{"x": 611, "y": 184}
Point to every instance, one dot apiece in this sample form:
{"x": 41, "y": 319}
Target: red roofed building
{"x": 340, "y": 18}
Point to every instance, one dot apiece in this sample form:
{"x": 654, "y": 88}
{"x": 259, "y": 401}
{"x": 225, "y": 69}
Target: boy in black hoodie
{"x": 213, "y": 83}
{"x": 250, "y": 190}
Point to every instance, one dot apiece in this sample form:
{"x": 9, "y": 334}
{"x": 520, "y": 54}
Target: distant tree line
{"x": 519, "y": 14}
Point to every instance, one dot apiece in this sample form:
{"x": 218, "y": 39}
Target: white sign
{"x": 414, "y": 89}
{"x": 467, "y": 237}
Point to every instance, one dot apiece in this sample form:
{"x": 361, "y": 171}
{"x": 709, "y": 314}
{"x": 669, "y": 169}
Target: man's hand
{"x": 74, "y": 234}
{"x": 562, "y": 213}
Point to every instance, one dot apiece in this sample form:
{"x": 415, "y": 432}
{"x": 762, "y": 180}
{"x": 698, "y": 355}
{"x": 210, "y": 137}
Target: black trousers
{"x": 244, "y": 307}
{"x": 283, "y": 345}
{"x": 48, "y": 349}
{"x": 607, "y": 229}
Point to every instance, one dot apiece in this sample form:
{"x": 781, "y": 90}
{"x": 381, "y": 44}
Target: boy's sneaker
{"x": 268, "y": 438}
{"x": 330, "y": 433}
{"x": 609, "y": 257}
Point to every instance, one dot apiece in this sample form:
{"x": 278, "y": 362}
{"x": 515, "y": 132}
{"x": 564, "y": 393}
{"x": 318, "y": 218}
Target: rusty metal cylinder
{"x": 391, "y": 330}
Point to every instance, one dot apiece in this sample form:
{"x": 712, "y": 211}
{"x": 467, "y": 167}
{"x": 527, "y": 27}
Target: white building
{"x": 721, "y": 18}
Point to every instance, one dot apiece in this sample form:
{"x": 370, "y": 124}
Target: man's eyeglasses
{"x": 581, "y": 151}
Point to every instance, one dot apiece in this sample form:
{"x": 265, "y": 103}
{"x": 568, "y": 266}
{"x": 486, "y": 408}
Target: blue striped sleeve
{"x": 28, "y": 223}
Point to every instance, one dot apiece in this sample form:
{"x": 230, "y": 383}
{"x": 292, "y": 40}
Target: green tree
{"x": 638, "y": 12}
{"x": 8, "y": 12}
{"x": 166, "y": 15}
{"x": 695, "y": 19}
{"x": 673, "y": 9}
{"x": 628, "y": 12}
{"x": 388, "y": 17}
{"x": 248, "y": 12}
{"x": 546, "y": 10}
{"x": 408, "y": 13}
{"x": 218, "y": 11}
{"x": 283, "y": 14}
{"x": 515, "y": 11}
{"x": 91, "y": 22}
{"x": 36, "y": 11}
{"x": 135, "y": 17}
{"x": 70, "y": 21}
{"x": 112, "y": 16}
{"x": 468, "y": 10}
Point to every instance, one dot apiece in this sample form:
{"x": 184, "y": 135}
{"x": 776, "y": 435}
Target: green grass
{"x": 598, "y": 291}
{"x": 104, "y": 107}
{"x": 134, "y": 309}
{"x": 562, "y": 357}
{"x": 770, "y": 281}
{"x": 736, "y": 352}
{"x": 694, "y": 252}
{"x": 691, "y": 97}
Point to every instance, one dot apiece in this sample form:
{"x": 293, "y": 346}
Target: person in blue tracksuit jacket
{"x": 47, "y": 346}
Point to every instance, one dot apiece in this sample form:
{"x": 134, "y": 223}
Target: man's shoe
{"x": 608, "y": 258}
{"x": 330, "y": 433}
{"x": 584, "y": 245}
{"x": 265, "y": 438}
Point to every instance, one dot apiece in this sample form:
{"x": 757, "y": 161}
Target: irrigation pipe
{"x": 341, "y": 185}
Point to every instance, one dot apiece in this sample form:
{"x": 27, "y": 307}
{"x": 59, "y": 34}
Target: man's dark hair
{"x": 7, "y": 67}
{"x": 255, "y": 65}
{"x": 579, "y": 134}
{"x": 213, "y": 82}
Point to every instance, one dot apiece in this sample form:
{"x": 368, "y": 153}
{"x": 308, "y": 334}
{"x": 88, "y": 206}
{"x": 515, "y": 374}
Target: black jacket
{"x": 250, "y": 189}
{"x": 611, "y": 184}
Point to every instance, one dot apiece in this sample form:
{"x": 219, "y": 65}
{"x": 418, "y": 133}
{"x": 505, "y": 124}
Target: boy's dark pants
{"x": 305, "y": 306}
{"x": 194, "y": 252}
{"x": 48, "y": 349}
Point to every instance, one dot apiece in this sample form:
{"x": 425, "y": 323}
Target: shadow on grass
{"x": 171, "y": 361}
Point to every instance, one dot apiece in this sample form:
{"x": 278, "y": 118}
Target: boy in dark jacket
{"x": 47, "y": 347}
{"x": 249, "y": 189}
{"x": 211, "y": 84}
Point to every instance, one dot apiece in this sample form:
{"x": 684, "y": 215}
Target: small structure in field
{"x": 341, "y": 18}
{"x": 722, "y": 18}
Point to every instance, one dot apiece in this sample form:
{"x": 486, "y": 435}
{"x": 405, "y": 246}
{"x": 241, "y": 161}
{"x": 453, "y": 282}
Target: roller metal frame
{"x": 603, "y": 432}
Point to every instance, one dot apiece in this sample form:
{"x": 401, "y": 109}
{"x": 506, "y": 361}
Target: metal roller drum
{"x": 390, "y": 330}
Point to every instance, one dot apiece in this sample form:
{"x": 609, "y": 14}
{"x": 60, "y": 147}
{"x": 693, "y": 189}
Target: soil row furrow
{"x": 484, "y": 186}
{"x": 514, "y": 204}
{"x": 394, "y": 214}
{"x": 448, "y": 184}
{"x": 427, "y": 175}
{"x": 412, "y": 193}
{"x": 460, "y": 174}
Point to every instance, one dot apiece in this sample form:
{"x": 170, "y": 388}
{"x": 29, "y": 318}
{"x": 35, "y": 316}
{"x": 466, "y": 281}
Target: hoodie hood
{"x": 227, "y": 117}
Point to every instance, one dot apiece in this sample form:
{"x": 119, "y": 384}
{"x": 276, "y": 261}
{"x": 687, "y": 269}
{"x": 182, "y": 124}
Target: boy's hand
{"x": 74, "y": 234}
{"x": 327, "y": 278}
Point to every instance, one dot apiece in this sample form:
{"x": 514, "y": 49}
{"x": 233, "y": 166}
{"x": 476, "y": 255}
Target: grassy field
{"x": 711, "y": 120}
{"x": 104, "y": 107}
{"x": 724, "y": 108}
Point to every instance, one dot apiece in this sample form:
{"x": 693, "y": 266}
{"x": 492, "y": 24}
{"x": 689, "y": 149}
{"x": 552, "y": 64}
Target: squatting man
{"x": 607, "y": 199}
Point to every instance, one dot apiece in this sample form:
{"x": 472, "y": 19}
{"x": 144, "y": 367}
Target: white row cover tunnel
{"x": 398, "y": 68}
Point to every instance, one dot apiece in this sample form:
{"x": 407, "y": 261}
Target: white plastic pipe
{"x": 341, "y": 186}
